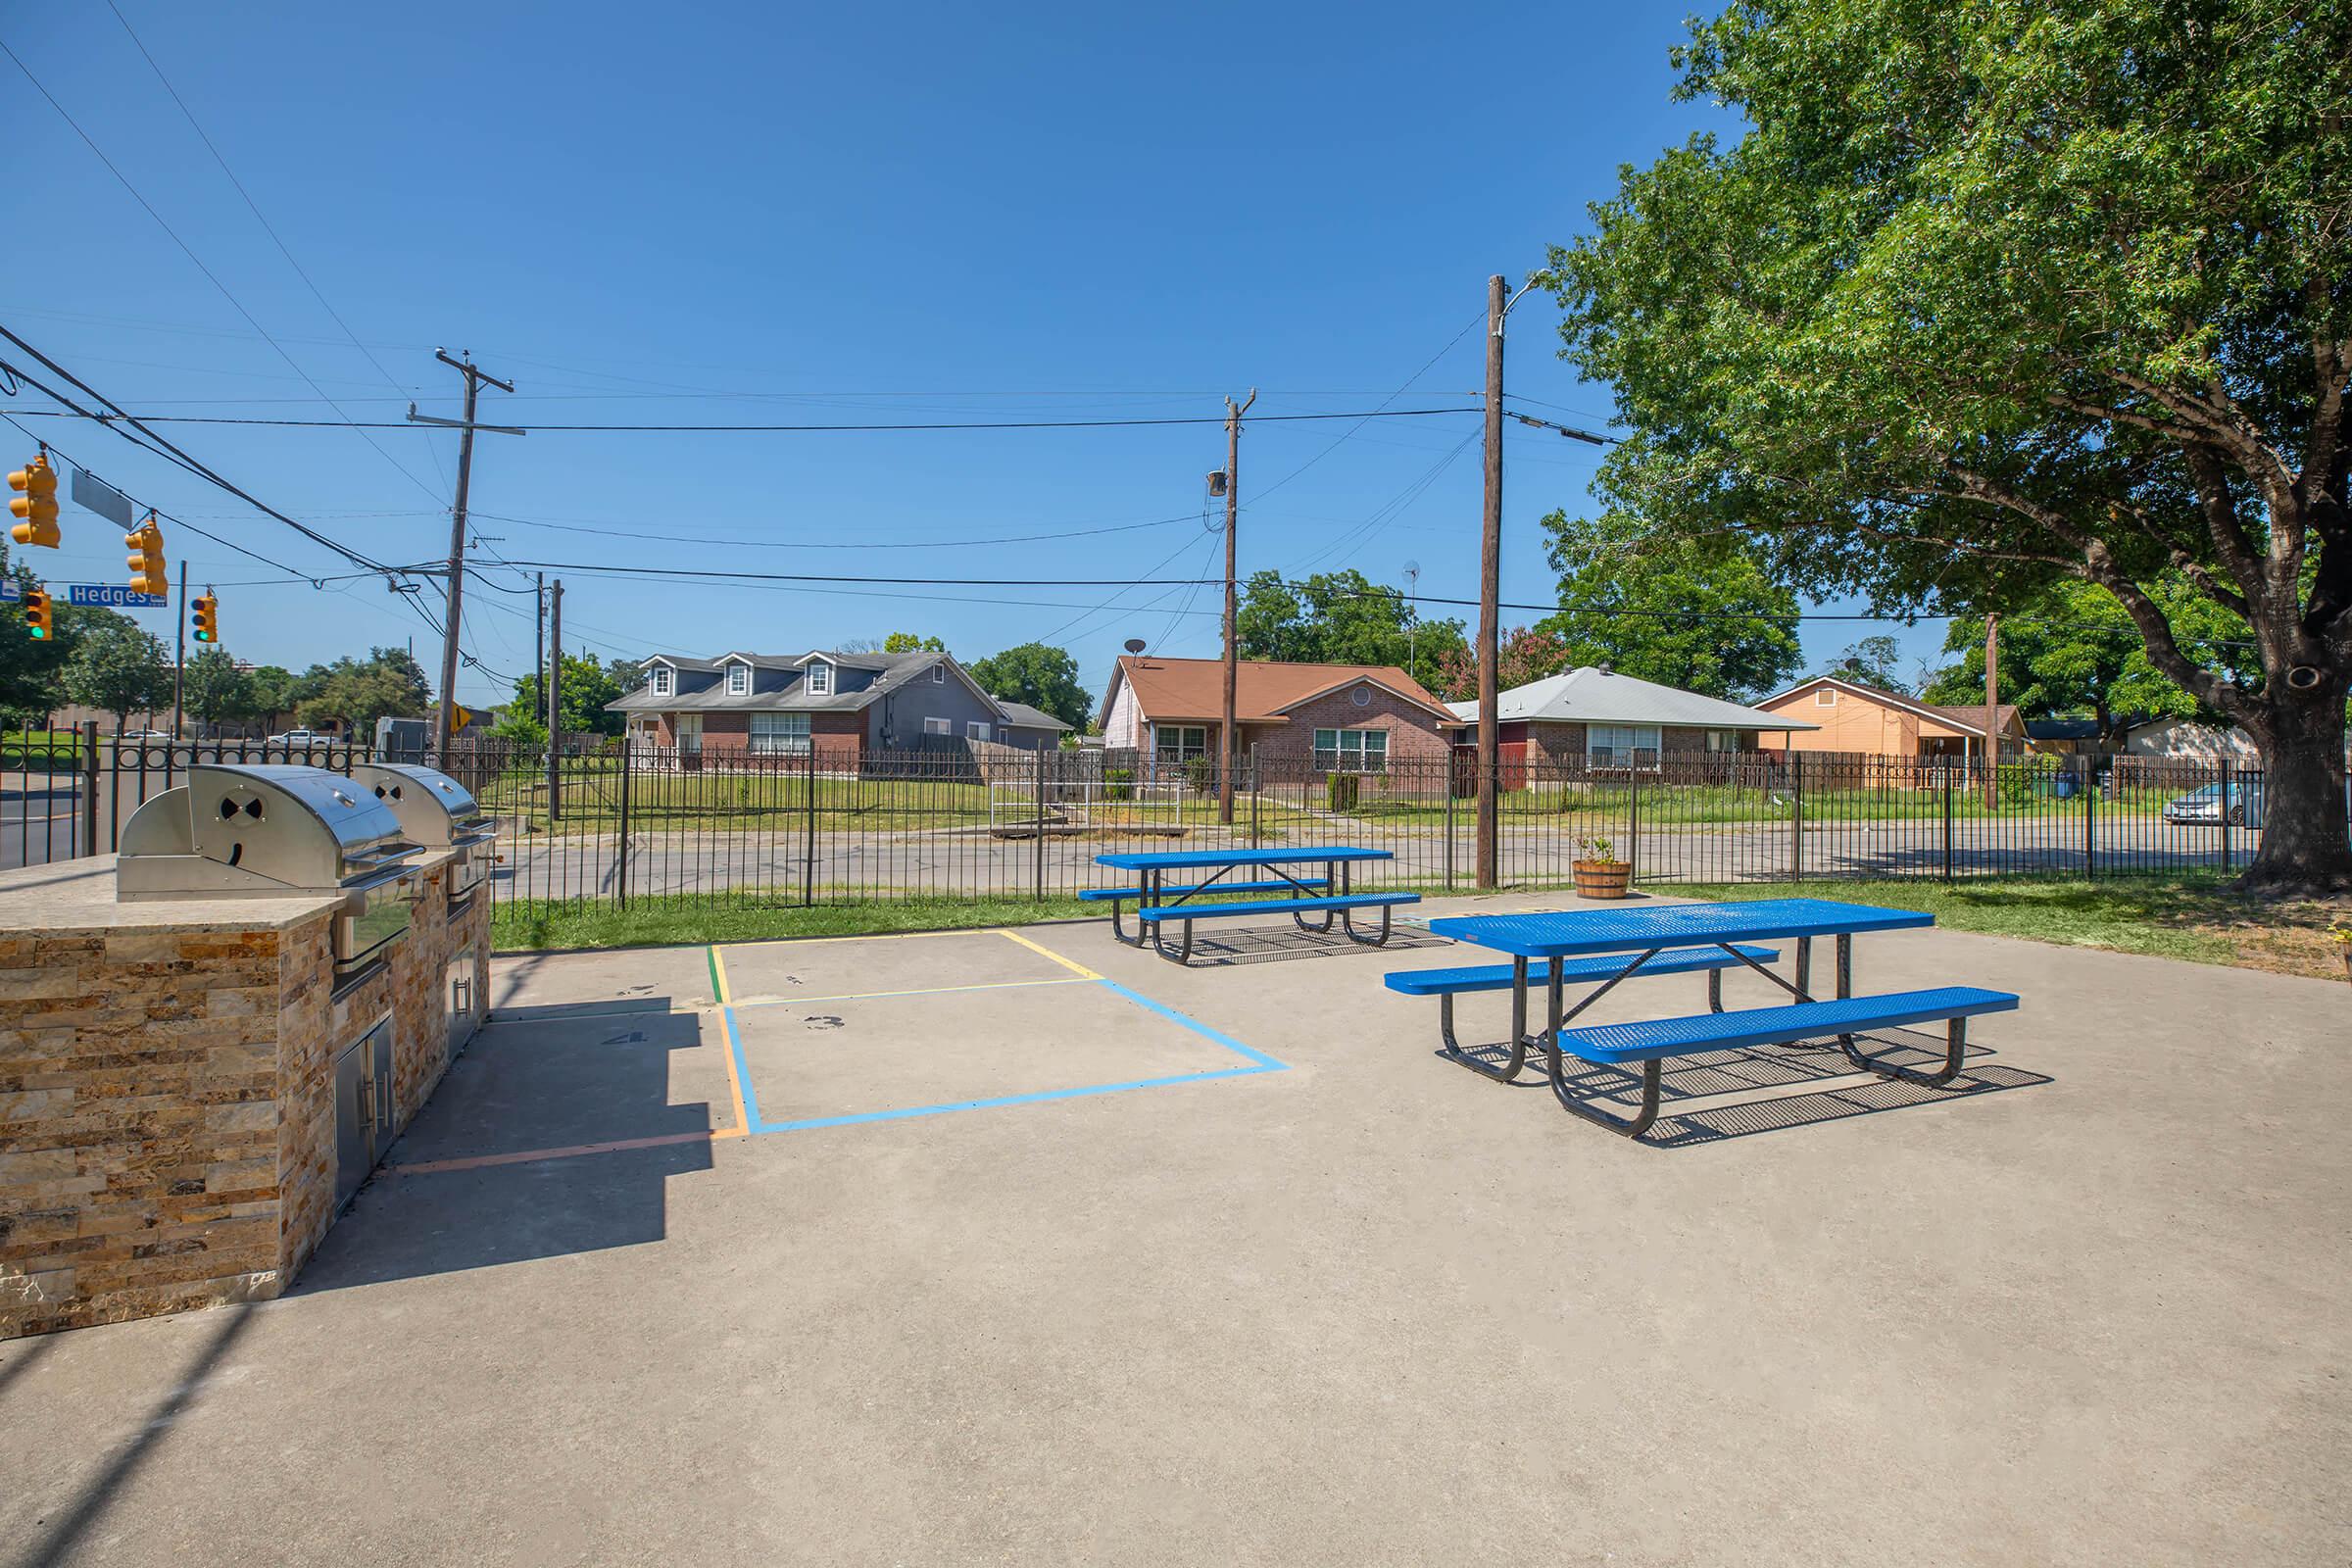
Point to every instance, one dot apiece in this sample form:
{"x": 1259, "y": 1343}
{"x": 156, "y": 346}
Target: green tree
{"x": 1665, "y": 607}
{"x": 1521, "y": 655}
{"x": 906, "y": 642}
{"x": 1984, "y": 297}
{"x": 389, "y": 684}
{"x": 115, "y": 666}
{"x": 214, "y": 688}
{"x": 32, "y": 672}
{"x": 587, "y": 686}
{"x": 270, "y": 689}
{"x": 1875, "y": 661}
{"x": 2076, "y": 651}
{"x": 1043, "y": 676}
{"x": 1341, "y": 617}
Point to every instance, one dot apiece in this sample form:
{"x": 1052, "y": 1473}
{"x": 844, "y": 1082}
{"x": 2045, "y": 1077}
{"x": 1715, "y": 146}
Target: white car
{"x": 302, "y": 739}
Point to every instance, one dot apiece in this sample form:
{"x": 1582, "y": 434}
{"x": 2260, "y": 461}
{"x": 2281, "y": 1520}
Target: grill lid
{"x": 260, "y": 828}
{"x": 433, "y": 809}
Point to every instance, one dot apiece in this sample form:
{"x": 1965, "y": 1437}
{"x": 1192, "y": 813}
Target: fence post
{"x": 1256, "y": 790}
{"x": 1796, "y": 816}
{"x": 627, "y": 769}
{"x": 1632, "y": 823}
{"x": 89, "y": 787}
{"x": 2087, "y": 784}
{"x": 2224, "y": 813}
{"x": 1448, "y": 785}
{"x": 1038, "y": 859}
{"x": 1947, "y": 824}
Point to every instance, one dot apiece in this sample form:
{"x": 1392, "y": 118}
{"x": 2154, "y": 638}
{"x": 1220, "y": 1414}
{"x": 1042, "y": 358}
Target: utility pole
{"x": 475, "y": 377}
{"x": 180, "y": 655}
{"x": 1992, "y": 706}
{"x": 555, "y": 708}
{"x": 539, "y": 635}
{"x": 1490, "y": 591}
{"x": 1233, "y": 512}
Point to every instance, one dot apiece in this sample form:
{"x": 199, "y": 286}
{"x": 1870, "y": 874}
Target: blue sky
{"x": 835, "y": 214}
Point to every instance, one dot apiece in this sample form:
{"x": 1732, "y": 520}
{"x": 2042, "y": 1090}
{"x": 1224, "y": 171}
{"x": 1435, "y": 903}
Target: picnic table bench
{"x": 1613, "y": 945}
{"x": 1329, "y": 896}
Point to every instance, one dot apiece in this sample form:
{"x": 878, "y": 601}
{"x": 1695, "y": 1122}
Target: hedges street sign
{"x": 112, "y": 596}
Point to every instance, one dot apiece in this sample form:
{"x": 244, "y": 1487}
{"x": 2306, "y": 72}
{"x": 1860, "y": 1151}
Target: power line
{"x": 698, "y": 572}
{"x": 804, "y": 544}
{"x": 774, "y": 429}
{"x": 210, "y": 276}
{"x": 1400, "y": 391}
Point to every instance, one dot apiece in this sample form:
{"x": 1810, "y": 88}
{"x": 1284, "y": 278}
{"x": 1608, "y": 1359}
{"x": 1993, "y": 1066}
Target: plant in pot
{"x": 1599, "y": 875}
{"x": 2342, "y": 931}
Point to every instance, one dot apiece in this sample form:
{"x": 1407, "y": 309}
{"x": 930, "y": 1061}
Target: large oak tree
{"x": 1997, "y": 292}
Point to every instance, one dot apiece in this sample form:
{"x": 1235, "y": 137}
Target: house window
{"x": 938, "y": 727}
{"x": 690, "y": 732}
{"x": 1179, "y": 743}
{"x": 663, "y": 681}
{"x": 1827, "y": 696}
{"x": 975, "y": 729}
{"x": 1352, "y": 751}
{"x": 739, "y": 681}
{"x": 820, "y": 679}
{"x": 780, "y": 734}
{"x": 939, "y": 675}
{"x": 1621, "y": 745}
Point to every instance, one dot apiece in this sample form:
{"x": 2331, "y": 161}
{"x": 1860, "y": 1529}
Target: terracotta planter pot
{"x": 1603, "y": 879}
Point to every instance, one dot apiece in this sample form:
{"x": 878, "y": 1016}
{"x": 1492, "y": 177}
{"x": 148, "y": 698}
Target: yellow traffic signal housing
{"x": 148, "y": 573}
{"x": 207, "y": 617}
{"x": 36, "y": 503}
{"x": 36, "y": 614}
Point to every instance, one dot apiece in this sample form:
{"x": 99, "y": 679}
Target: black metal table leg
{"x": 1633, "y": 1126}
{"x": 1955, "y": 1052}
{"x": 1519, "y": 1041}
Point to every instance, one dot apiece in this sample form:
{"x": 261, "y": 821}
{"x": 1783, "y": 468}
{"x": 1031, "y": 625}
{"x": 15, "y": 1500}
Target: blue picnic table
{"x": 1160, "y": 902}
{"x": 1609, "y": 947}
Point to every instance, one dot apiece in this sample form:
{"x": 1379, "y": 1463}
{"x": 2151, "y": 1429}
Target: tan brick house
{"x": 1850, "y": 717}
{"x": 1327, "y": 718}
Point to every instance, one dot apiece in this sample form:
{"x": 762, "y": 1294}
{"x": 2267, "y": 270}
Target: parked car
{"x": 2207, "y": 806}
{"x": 301, "y": 740}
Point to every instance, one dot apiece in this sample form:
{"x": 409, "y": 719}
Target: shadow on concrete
{"x": 1279, "y": 945}
{"x": 59, "y": 1540}
{"x": 1765, "y": 1090}
{"x": 552, "y": 1135}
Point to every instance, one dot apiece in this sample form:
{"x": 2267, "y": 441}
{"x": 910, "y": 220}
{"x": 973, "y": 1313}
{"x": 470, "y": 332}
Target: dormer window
{"x": 664, "y": 680}
{"x": 739, "y": 681}
{"x": 820, "y": 679}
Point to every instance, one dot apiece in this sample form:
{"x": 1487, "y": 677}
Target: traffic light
{"x": 148, "y": 573}
{"x": 36, "y": 614}
{"x": 36, "y": 503}
{"x": 207, "y": 617}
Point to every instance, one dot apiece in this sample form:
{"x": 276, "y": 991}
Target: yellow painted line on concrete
{"x": 718, "y": 983}
{"x": 864, "y": 936}
{"x": 431, "y": 1167}
{"x": 1076, "y": 968}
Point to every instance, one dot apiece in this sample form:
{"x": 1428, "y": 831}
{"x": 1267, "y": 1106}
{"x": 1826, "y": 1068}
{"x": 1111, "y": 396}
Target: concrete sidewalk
{"x": 1365, "y": 1308}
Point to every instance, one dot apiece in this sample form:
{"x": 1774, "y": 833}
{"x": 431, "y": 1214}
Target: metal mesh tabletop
{"x": 1559, "y": 934}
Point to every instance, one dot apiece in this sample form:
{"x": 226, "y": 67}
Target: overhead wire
{"x": 784, "y": 429}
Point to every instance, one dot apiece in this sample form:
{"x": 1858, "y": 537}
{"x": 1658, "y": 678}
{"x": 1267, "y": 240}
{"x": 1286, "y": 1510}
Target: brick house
{"x": 1326, "y": 718}
{"x": 1591, "y": 716}
{"x": 840, "y": 708}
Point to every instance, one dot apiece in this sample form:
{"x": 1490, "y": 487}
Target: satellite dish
{"x": 1135, "y": 645}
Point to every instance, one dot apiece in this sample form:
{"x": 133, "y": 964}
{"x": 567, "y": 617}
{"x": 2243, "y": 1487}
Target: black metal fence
{"x": 612, "y": 823}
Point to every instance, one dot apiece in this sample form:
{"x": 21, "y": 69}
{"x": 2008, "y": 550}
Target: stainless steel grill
{"x": 438, "y": 813}
{"x": 255, "y": 830}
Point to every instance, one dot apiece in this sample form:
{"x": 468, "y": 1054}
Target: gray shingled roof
{"x": 894, "y": 670}
{"x": 1022, "y": 717}
{"x": 1591, "y": 695}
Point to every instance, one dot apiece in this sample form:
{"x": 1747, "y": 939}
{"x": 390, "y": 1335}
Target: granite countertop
{"x": 80, "y": 896}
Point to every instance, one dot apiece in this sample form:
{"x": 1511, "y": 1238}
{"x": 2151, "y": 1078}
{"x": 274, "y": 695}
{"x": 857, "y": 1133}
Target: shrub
{"x": 1341, "y": 791}
{"x": 1118, "y": 783}
{"x": 1200, "y": 774}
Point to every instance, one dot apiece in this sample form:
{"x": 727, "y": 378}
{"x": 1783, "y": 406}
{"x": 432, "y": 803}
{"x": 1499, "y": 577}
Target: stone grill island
{"x": 207, "y": 1042}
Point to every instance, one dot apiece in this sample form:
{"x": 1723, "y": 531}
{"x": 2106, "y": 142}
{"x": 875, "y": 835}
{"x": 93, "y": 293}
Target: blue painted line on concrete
{"x": 1260, "y": 1062}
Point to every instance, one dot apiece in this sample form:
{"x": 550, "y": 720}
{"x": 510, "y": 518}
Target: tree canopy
{"x": 1341, "y": 617}
{"x": 213, "y": 688}
{"x": 2076, "y": 651}
{"x": 1990, "y": 296}
{"x": 116, "y": 665}
{"x": 1700, "y": 615}
{"x": 586, "y": 687}
{"x": 1039, "y": 674}
{"x": 388, "y": 683}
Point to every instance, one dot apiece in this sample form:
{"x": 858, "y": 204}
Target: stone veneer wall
{"x": 167, "y": 1106}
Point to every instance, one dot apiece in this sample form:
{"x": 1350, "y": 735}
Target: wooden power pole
{"x": 1233, "y": 514}
{"x": 555, "y": 707}
{"x": 1992, "y": 706}
{"x": 475, "y": 377}
{"x": 1489, "y": 592}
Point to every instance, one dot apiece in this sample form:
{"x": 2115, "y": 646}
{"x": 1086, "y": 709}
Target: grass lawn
{"x": 2193, "y": 917}
{"x": 553, "y": 925}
